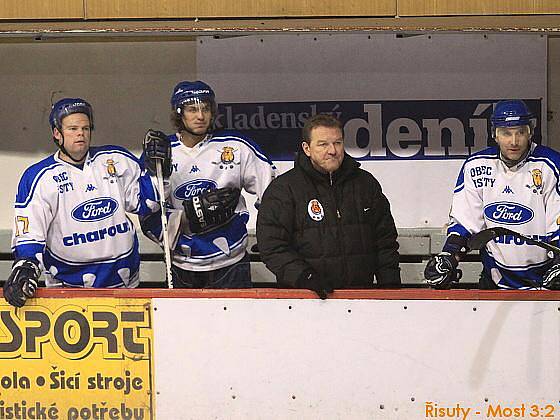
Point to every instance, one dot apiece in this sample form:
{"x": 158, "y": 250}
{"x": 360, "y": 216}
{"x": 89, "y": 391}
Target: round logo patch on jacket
{"x": 315, "y": 210}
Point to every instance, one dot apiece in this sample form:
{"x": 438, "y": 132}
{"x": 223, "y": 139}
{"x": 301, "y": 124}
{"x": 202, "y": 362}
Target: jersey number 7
{"x": 25, "y": 225}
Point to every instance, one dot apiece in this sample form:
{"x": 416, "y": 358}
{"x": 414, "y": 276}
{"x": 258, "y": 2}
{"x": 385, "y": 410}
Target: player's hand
{"x": 22, "y": 283}
{"x": 551, "y": 279}
{"x": 442, "y": 270}
{"x": 309, "y": 279}
{"x": 157, "y": 147}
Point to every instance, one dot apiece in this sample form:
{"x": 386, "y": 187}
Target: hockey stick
{"x": 164, "y": 231}
{"x": 478, "y": 240}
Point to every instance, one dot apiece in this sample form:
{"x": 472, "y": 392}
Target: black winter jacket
{"x": 352, "y": 239}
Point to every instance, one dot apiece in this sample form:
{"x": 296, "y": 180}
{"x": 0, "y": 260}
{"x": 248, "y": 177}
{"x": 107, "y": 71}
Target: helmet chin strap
{"x": 510, "y": 163}
{"x": 66, "y": 153}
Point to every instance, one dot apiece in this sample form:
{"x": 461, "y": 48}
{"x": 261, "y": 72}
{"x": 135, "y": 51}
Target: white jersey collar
{"x": 59, "y": 159}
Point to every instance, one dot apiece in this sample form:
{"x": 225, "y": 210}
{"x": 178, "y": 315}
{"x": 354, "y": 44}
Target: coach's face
{"x": 74, "y": 135}
{"x": 513, "y": 141}
{"x": 325, "y": 148}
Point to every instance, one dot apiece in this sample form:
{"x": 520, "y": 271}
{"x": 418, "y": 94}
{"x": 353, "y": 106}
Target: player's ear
{"x": 305, "y": 147}
{"x": 57, "y": 135}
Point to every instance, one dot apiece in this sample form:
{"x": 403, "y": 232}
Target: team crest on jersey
{"x": 227, "y": 158}
{"x": 537, "y": 186}
{"x": 110, "y": 164}
{"x": 315, "y": 210}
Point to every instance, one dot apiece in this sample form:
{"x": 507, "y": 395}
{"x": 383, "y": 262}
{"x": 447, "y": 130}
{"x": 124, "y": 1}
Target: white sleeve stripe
{"x": 100, "y": 261}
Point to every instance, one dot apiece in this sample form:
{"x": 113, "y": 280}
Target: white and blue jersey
{"x": 223, "y": 159}
{"x": 524, "y": 198}
{"x": 74, "y": 221}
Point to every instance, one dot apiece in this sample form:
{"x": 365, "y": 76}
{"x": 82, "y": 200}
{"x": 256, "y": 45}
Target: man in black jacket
{"x": 326, "y": 224}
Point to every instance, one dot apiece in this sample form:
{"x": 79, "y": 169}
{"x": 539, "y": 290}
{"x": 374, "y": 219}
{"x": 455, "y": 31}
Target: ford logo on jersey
{"x": 95, "y": 209}
{"x": 193, "y": 188}
{"x": 508, "y": 213}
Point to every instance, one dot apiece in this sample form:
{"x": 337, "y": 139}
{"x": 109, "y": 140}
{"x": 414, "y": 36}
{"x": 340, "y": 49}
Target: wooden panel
{"x": 476, "y": 7}
{"x": 40, "y": 9}
{"x": 184, "y": 29}
{"x": 110, "y": 9}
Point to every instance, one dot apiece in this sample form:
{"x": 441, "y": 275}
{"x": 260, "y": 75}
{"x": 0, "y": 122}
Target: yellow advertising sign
{"x": 77, "y": 359}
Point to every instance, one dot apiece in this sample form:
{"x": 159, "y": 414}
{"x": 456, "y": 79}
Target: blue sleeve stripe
{"x": 247, "y": 143}
{"x": 459, "y": 188}
{"x": 28, "y": 250}
{"x": 458, "y": 228}
{"x": 34, "y": 183}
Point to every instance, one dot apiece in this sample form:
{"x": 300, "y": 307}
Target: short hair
{"x": 319, "y": 120}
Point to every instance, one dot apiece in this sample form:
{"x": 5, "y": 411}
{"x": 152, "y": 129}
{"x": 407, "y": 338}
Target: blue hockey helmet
{"x": 511, "y": 113}
{"x": 69, "y": 106}
{"x": 192, "y": 93}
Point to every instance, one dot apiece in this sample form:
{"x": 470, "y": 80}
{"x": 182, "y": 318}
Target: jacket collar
{"x": 348, "y": 168}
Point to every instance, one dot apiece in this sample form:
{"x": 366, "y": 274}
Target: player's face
{"x": 197, "y": 117}
{"x": 76, "y": 135}
{"x": 513, "y": 141}
{"x": 325, "y": 148}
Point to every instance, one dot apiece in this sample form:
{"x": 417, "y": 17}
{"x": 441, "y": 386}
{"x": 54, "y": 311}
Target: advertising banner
{"x": 77, "y": 359}
{"x": 374, "y": 130}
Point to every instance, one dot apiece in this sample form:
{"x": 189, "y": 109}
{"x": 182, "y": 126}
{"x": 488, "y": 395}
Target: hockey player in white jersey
{"x": 206, "y": 172}
{"x": 70, "y": 211}
{"x": 514, "y": 185}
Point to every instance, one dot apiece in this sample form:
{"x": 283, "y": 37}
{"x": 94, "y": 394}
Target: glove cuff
{"x": 30, "y": 264}
{"x": 456, "y": 245}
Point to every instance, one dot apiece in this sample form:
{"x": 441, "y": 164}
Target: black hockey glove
{"x": 551, "y": 279}
{"x": 441, "y": 271}
{"x": 22, "y": 282}
{"x": 157, "y": 147}
{"x": 309, "y": 279}
{"x": 211, "y": 209}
